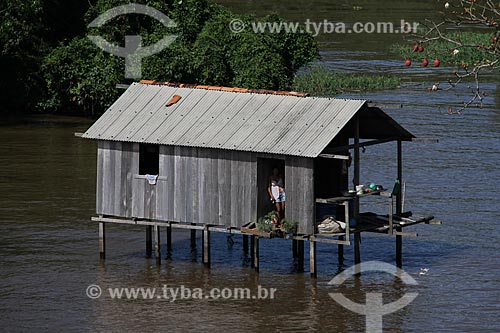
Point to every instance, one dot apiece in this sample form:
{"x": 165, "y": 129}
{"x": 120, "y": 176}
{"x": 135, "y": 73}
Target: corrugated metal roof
{"x": 268, "y": 123}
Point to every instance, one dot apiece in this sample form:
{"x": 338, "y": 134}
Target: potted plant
{"x": 268, "y": 222}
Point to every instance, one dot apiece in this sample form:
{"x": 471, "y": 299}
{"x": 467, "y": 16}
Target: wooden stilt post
{"x": 149, "y": 241}
{"x": 399, "y": 197}
{"x": 300, "y": 255}
{"x": 206, "y": 247}
{"x": 357, "y": 239}
{"x": 356, "y": 165}
{"x": 157, "y": 244}
{"x": 169, "y": 241}
{"x": 399, "y": 206}
{"x": 252, "y": 251}
{"x": 399, "y": 251}
{"x": 245, "y": 244}
{"x": 312, "y": 259}
{"x": 357, "y": 252}
{"x": 102, "y": 240}
{"x": 193, "y": 239}
{"x": 294, "y": 248}
{"x": 340, "y": 248}
{"x": 256, "y": 254}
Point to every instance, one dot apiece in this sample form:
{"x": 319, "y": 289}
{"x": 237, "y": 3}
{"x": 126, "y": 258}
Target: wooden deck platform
{"x": 367, "y": 222}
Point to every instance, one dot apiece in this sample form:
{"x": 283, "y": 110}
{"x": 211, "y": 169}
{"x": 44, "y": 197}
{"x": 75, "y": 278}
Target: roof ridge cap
{"x": 226, "y": 89}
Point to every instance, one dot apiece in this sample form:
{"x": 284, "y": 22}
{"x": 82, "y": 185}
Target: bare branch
{"x": 459, "y": 13}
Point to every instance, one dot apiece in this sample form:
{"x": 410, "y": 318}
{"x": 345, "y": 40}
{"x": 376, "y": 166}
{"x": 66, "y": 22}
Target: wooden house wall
{"x": 117, "y": 162}
{"x": 300, "y": 198}
{"x": 196, "y": 185}
{"x": 206, "y": 186}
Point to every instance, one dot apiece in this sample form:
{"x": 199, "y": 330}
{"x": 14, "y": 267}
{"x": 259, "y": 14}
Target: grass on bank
{"x": 321, "y": 81}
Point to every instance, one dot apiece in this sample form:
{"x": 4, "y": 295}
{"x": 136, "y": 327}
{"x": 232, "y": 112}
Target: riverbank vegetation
{"x": 467, "y": 39}
{"x": 28, "y": 31}
{"x": 50, "y": 65}
{"x": 71, "y": 73}
{"x": 321, "y": 81}
{"x": 471, "y": 53}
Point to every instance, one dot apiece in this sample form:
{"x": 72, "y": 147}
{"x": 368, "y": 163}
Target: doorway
{"x": 265, "y": 168}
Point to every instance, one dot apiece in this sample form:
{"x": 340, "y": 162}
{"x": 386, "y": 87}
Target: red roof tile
{"x": 227, "y": 89}
{"x": 173, "y": 100}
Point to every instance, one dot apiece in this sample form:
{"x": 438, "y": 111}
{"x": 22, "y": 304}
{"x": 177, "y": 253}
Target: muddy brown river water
{"x": 49, "y": 248}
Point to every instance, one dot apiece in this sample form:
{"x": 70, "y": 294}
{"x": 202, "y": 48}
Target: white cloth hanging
{"x": 152, "y": 179}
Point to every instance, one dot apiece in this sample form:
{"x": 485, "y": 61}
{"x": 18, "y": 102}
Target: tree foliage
{"x": 21, "y": 48}
{"x": 28, "y": 30}
{"x": 79, "y": 75}
{"x": 50, "y": 64}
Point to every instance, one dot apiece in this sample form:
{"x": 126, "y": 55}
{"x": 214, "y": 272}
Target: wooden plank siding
{"x": 225, "y": 180}
{"x": 206, "y": 186}
{"x": 100, "y": 178}
{"x": 131, "y": 159}
{"x": 300, "y": 201}
{"x": 198, "y": 185}
{"x": 249, "y": 183}
{"x": 116, "y": 164}
{"x": 179, "y": 186}
{"x": 165, "y": 195}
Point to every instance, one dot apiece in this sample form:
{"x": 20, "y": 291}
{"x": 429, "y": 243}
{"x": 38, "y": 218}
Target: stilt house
{"x": 200, "y": 155}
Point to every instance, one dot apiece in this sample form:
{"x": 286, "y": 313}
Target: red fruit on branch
{"x": 415, "y": 48}
{"x": 420, "y": 48}
{"x": 437, "y": 63}
{"x": 494, "y": 39}
{"x": 425, "y": 63}
{"x": 408, "y": 62}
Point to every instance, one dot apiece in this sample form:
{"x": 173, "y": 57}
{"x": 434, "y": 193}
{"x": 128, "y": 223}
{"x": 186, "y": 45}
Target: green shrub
{"x": 82, "y": 77}
{"x": 289, "y": 225}
{"x": 321, "y": 81}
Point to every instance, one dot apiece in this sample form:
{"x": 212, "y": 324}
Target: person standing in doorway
{"x": 276, "y": 191}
